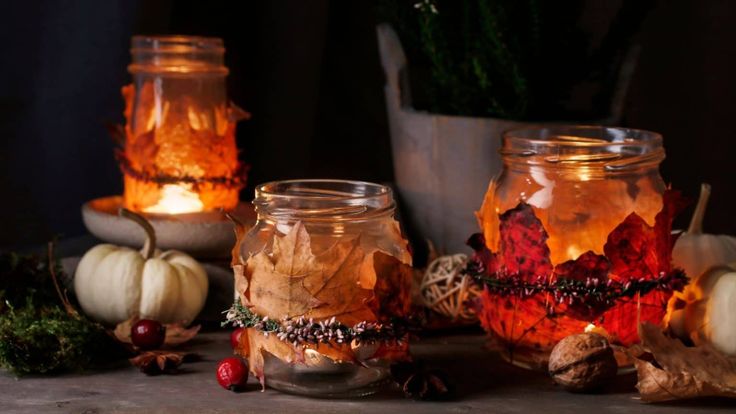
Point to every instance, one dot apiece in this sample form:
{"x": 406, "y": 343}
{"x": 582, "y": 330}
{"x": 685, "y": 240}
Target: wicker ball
{"x": 446, "y": 289}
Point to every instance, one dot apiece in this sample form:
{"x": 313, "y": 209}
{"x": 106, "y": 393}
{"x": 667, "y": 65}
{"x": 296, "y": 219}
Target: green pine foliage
{"x": 515, "y": 59}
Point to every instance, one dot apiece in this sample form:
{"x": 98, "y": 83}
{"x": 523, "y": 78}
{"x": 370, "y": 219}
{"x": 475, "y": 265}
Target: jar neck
{"x": 177, "y": 55}
{"x": 323, "y": 201}
{"x": 585, "y": 151}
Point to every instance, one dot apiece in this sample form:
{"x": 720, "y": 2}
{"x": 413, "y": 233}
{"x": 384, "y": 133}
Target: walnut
{"x": 582, "y": 362}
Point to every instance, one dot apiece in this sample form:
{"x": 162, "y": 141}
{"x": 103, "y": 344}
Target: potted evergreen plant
{"x": 477, "y": 68}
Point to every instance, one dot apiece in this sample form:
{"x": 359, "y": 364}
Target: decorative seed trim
{"x": 236, "y": 181}
{"x": 305, "y": 331}
{"x": 591, "y": 291}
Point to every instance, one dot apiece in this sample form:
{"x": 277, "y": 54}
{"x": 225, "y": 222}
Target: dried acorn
{"x": 582, "y": 362}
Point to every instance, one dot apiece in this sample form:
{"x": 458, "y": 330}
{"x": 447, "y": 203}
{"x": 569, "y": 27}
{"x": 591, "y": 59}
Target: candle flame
{"x": 176, "y": 199}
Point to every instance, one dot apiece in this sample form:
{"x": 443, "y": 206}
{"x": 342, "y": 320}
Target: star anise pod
{"x": 420, "y": 383}
{"x": 159, "y": 362}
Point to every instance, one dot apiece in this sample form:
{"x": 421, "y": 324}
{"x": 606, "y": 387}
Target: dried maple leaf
{"x": 293, "y": 281}
{"x": 176, "y": 333}
{"x": 634, "y": 251}
{"x": 637, "y": 250}
{"x": 682, "y": 372}
{"x": 276, "y": 282}
{"x": 523, "y": 247}
{"x": 337, "y": 284}
{"x": 589, "y": 266}
{"x": 393, "y": 289}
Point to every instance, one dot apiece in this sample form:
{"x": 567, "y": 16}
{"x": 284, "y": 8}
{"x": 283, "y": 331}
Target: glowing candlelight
{"x": 180, "y": 128}
{"x": 176, "y": 199}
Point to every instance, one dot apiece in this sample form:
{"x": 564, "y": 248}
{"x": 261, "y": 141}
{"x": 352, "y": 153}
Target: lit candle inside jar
{"x": 176, "y": 199}
{"x": 179, "y": 153}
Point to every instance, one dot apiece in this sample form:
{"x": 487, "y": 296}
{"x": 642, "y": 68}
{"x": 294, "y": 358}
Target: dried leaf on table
{"x": 176, "y": 333}
{"x": 682, "y": 372}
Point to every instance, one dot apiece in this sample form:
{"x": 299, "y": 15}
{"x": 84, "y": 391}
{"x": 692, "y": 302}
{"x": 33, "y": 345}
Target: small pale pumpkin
{"x": 115, "y": 283}
{"x": 696, "y": 251}
{"x": 709, "y": 311}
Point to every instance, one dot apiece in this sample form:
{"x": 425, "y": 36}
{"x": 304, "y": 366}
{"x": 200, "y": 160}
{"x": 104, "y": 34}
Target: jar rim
{"x": 583, "y": 136}
{"x": 308, "y": 184}
{"x": 614, "y": 149}
{"x": 178, "y": 55}
{"x": 176, "y": 43}
{"x": 323, "y": 199}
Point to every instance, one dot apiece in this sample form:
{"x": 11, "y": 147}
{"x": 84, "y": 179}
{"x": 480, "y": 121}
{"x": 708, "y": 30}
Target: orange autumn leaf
{"x": 256, "y": 344}
{"x": 393, "y": 289}
{"x": 290, "y": 280}
{"x": 679, "y": 372}
{"x": 276, "y": 283}
{"x": 337, "y": 284}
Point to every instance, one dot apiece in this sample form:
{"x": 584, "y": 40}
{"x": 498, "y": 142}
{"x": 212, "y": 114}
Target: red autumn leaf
{"x": 525, "y": 323}
{"x": 590, "y": 268}
{"x": 672, "y": 204}
{"x": 523, "y": 249}
{"x": 634, "y": 252}
{"x": 621, "y": 321}
{"x": 483, "y": 259}
{"x": 587, "y": 266}
{"x": 631, "y": 249}
{"x": 640, "y": 251}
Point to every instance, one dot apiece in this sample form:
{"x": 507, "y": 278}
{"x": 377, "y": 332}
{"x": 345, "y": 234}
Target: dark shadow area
{"x": 309, "y": 73}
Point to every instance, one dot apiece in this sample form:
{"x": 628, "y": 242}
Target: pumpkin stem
{"x": 149, "y": 247}
{"x": 696, "y": 223}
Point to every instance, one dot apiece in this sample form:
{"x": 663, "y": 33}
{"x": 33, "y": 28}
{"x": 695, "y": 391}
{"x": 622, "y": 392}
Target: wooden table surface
{"x": 485, "y": 384}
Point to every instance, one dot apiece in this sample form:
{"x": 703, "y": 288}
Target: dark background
{"x": 309, "y": 73}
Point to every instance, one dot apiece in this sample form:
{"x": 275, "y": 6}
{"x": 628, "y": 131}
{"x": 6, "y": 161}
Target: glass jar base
{"x": 334, "y": 381}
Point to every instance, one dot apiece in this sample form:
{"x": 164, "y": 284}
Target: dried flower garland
{"x": 236, "y": 181}
{"x": 303, "y": 331}
{"x": 589, "y": 291}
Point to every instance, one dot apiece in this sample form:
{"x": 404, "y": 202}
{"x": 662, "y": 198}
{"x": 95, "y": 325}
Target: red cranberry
{"x": 232, "y": 374}
{"x": 148, "y": 334}
{"x": 235, "y": 337}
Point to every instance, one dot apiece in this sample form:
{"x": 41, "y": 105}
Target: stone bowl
{"x": 206, "y": 235}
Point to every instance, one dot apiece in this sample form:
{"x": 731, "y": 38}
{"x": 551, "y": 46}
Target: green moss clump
{"x": 39, "y": 332}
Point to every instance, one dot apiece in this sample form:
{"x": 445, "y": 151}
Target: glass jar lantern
{"x": 179, "y": 154}
{"x": 324, "y": 256}
{"x": 574, "y": 209}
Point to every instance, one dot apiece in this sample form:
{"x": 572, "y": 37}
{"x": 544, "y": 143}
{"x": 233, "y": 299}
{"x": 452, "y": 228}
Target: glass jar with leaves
{"x": 459, "y": 73}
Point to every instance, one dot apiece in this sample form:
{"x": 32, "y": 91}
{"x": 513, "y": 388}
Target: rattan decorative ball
{"x": 446, "y": 289}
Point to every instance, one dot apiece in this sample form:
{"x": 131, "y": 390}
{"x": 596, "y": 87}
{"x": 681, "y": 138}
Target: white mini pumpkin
{"x": 115, "y": 283}
{"x": 696, "y": 251}
{"x": 709, "y": 313}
